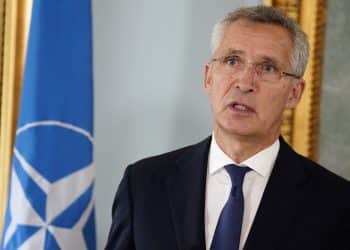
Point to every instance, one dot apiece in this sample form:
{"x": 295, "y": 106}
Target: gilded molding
{"x": 300, "y": 126}
{"x": 14, "y": 36}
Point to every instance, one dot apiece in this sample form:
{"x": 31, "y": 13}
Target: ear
{"x": 207, "y": 78}
{"x": 295, "y": 93}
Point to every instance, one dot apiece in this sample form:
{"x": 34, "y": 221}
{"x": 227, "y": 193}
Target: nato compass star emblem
{"x": 51, "y": 194}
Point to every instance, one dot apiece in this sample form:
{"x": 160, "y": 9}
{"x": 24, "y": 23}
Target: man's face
{"x": 243, "y": 104}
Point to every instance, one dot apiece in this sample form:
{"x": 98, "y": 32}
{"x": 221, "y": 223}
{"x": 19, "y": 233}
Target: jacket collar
{"x": 278, "y": 206}
{"x": 186, "y": 193}
{"x": 277, "y": 209}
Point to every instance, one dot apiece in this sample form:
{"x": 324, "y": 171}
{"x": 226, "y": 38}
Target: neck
{"x": 239, "y": 148}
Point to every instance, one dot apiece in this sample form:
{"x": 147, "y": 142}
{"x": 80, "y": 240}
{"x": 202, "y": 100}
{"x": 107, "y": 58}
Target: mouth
{"x": 241, "y": 107}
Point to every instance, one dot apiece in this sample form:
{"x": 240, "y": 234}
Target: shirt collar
{"x": 262, "y": 162}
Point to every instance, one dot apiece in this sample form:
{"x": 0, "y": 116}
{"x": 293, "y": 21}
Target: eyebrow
{"x": 234, "y": 52}
{"x": 230, "y": 52}
{"x": 272, "y": 60}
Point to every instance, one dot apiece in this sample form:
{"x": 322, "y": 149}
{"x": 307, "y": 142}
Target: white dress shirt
{"x": 218, "y": 186}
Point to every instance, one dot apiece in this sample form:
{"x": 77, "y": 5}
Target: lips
{"x": 241, "y": 107}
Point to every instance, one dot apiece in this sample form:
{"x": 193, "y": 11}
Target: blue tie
{"x": 228, "y": 230}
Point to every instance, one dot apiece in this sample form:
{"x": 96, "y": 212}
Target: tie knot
{"x": 236, "y": 174}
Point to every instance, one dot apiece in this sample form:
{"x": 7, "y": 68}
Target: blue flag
{"x": 51, "y": 203}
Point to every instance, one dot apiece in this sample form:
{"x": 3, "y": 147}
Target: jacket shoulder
{"x": 324, "y": 177}
{"x": 166, "y": 161}
{"x": 318, "y": 174}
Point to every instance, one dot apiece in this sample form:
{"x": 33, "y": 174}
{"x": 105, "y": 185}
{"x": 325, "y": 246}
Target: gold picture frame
{"x": 301, "y": 125}
{"x": 14, "y": 26}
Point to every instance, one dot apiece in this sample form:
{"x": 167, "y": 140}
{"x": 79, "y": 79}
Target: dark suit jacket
{"x": 160, "y": 205}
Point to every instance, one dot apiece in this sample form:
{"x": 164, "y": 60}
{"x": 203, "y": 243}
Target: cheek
{"x": 221, "y": 86}
{"x": 273, "y": 103}
{"x": 279, "y": 95}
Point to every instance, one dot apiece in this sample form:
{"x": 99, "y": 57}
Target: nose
{"x": 245, "y": 82}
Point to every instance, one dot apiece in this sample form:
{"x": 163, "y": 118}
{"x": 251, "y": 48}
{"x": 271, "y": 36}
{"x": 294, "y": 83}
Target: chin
{"x": 238, "y": 131}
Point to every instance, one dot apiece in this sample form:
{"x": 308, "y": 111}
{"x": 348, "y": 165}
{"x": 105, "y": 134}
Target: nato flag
{"x": 51, "y": 203}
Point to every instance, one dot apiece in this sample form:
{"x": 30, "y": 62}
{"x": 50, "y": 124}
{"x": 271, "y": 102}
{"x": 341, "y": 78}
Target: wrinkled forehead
{"x": 256, "y": 41}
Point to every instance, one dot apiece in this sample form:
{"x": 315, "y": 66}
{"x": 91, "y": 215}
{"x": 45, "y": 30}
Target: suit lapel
{"x": 277, "y": 208}
{"x": 186, "y": 194}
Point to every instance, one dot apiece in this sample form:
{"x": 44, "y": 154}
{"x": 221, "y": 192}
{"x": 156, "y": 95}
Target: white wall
{"x": 148, "y": 66}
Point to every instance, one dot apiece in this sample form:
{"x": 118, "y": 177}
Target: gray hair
{"x": 267, "y": 15}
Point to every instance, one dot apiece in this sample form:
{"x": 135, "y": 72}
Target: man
{"x": 243, "y": 187}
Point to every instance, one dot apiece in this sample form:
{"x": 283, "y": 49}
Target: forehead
{"x": 257, "y": 40}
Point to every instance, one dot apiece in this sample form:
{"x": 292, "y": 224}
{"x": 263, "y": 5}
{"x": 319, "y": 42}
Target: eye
{"x": 232, "y": 60}
{"x": 269, "y": 68}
